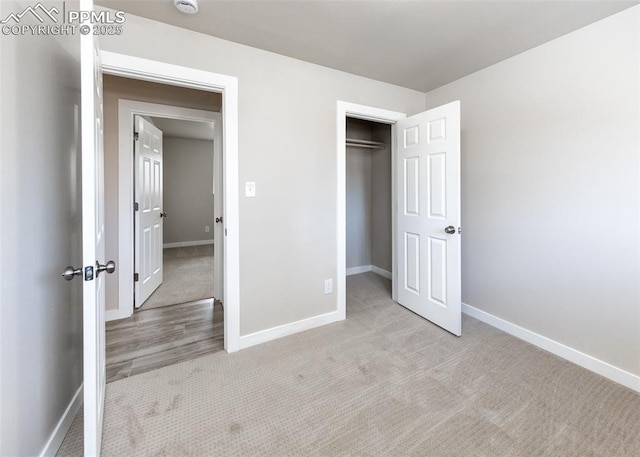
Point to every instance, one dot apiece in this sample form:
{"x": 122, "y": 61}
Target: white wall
{"x": 550, "y": 145}
{"x": 188, "y": 189}
{"x": 40, "y": 312}
{"x": 287, "y": 117}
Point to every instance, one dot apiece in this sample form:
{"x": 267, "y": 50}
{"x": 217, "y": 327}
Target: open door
{"x": 428, "y": 215}
{"x": 93, "y": 241}
{"x": 218, "y": 210}
{"x": 148, "y": 209}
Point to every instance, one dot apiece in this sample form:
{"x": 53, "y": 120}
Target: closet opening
{"x": 369, "y": 234}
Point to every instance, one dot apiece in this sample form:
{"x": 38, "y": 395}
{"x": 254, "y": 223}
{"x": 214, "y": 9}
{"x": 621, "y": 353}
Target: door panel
{"x": 148, "y": 220}
{"x": 428, "y": 179}
{"x": 412, "y": 186}
{"x": 437, "y": 186}
{"x": 412, "y": 256}
{"x": 437, "y": 257}
{"x": 92, "y": 241}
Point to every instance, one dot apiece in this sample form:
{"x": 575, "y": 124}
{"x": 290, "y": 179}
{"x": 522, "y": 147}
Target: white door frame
{"x": 159, "y": 72}
{"x": 369, "y": 113}
{"x": 127, "y": 109}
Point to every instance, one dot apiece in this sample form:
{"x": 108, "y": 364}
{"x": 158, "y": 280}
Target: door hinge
{"x": 135, "y": 277}
{"x": 136, "y": 207}
{"x": 136, "y": 135}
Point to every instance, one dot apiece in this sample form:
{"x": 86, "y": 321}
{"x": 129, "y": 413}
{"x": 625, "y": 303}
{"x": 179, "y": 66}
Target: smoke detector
{"x": 187, "y": 6}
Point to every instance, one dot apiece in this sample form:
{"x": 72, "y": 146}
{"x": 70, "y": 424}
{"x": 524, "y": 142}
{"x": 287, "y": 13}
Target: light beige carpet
{"x": 187, "y": 277}
{"x": 382, "y": 383}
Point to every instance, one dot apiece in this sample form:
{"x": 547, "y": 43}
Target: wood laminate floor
{"x": 160, "y": 337}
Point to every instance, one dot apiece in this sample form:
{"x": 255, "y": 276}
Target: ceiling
{"x": 176, "y": 128}
{"x": 417, "y": 44}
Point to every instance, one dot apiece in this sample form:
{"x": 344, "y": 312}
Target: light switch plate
{"x": 250, "y": 189}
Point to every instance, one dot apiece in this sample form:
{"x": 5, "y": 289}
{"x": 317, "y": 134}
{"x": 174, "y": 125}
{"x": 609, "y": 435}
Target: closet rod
{"x": 364, "y": 143}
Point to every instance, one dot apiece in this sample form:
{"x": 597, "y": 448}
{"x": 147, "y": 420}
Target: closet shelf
{"x": 364, "y": 143}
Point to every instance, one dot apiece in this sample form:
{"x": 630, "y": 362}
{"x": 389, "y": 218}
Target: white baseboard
{"x": 358, "y": 270}
{"x": 288, "y": 329}
{"x": 58, "y": 434}
{"x": 116, "y": 314}
{"x": 184, "y": 244}
{"x": 379, "y": 271}
{"x": 367, "y": 268}
{"x": 598, "y": 366}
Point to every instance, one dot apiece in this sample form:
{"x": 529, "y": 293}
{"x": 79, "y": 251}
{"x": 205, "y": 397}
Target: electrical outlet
{"x": 206, "y": 229}
{"x": 328, "y": 286}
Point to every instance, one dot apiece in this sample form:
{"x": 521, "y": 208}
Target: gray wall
{"x": 381, "y": 241}
{"x": 358, "y": 189}
{"x": 116, "y": 88}
{"x": 287, "y": 145}
{"x": 40, "y": 313}
{"x": 368, "y": 190}
{"x": 550, "y": 197}
{"x": 188, "y": 189}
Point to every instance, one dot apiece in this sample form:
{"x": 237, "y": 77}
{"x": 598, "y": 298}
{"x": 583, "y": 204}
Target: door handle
{"x": 450, "y": 230}
{"x": 163, "y": 214}
{"x": 109, "y": 267}
{"x": 71, "y": 272}
{"x": 218, "y": 220}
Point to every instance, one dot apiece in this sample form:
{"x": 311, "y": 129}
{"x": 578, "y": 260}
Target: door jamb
{"x": 369, "y": 113}
{"x": 175, "y": 75}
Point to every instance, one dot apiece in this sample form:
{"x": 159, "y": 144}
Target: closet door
{"x": 428, "y": 215}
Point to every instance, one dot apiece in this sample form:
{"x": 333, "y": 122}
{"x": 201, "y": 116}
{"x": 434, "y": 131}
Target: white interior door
{"x": 92, "y": 241}
{"x": 428, "y": 215}
{"x": 218, "y": 211}
{"x": 149, "y": 215}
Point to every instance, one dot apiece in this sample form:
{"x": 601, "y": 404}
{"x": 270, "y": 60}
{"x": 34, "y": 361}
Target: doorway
{"x": 425, "y": 189}
{"x": 181, "y": 225}
{"x": 172, "y": 154}
{"x": 368, "y": 213}
{"x": 227, "y": 87}
{"x": 347, "y": 111}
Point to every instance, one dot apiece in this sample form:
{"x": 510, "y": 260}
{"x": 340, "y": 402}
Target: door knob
{"x": 218, "y": 220}
{"x": 163, "y": 214}
{"x": 450, "y": 230}
{"x": 70, "y": 273}
{"x": 109, "y": 267}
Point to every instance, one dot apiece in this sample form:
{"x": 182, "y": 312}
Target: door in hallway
{"x": 148, "y": 208}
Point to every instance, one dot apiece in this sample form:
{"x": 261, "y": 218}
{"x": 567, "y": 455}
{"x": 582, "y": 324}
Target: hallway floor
{"x": 187, "y": 277}
{"x": 160, "y": 337}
